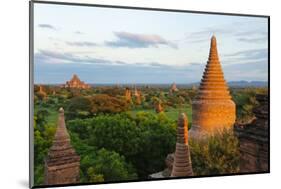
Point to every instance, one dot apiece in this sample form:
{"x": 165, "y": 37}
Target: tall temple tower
{"x": 212, "y": 108}
{"x": 62, "y": 163}
{"x": 128, "y": 95}
{"x": 182, "y": 163}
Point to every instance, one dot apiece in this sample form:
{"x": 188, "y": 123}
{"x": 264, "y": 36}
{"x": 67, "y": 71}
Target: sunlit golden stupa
{"x": 212, "y": 109}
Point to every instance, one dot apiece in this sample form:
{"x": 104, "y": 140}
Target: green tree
{"x": 78, "y": 107}
{"x": 112, "y": 166}
{"x": 218, "y": 154}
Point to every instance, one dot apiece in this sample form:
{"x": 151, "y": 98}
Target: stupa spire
{"x": 61, "y": 135}
{"x": 62, "y": 164}
{"x": 182, "y": 165}
{"x": 212, "y": 107}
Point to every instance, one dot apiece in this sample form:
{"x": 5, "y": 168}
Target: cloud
{"x": 205, "y": 34}
{"x": 250, "y": 55}
{"x": 47, "y": 56}
{"x": 78, "y": 32}
{"x": 47, "y": 26}
{"x": 132, "y": 40}
{"x": 243, "y": 33}
{"x": 253, "y": 40}
{"x": 82, "y": 44}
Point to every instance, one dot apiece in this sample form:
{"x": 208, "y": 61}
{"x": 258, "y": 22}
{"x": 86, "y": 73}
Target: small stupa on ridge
{"x": 182, "y": 165}
{"x": 62, "y": 164}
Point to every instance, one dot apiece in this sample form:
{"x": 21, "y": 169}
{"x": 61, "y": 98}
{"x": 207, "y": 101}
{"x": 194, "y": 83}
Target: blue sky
{"x": 105, "y": 45}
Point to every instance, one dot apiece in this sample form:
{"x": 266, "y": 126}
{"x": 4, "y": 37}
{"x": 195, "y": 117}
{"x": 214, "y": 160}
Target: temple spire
{"x": 212, "y": 107}
{"x": 182, "y": 165}
{"x": 61, "y": 135}
{"x": 62, "y": 164}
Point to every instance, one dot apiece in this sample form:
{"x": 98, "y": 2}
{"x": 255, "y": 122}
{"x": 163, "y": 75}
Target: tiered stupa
{"x": 253, "y": 139}
{"x": 174, "y": 88}
{"x": 75, "y": 82}
{"x": 41, "y": 93}
{"x": 62, "y": 164}
{"x": 212, "y": 109}
{"x": 158, "y": 107}
{"x": 137, "y": 95}
{"x": 128, "y": 95}
{"x": 182, "y": 165}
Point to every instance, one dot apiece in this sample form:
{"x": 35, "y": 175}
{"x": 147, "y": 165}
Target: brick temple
{"x": 212, "y": 108}
{"x": 253, "y": 138}
{"x": 178, "y": 164}
{"x": 41, "y": 93}
{"x": 158, "y": 107}
{"x": 62, "y": 165}
{"x": 182, "y": 163}
{"x": 174, "y": 88}
{"x": 75, "y": 82}
{"x": 128, "y": 95}
{"x": 137, "y": 95}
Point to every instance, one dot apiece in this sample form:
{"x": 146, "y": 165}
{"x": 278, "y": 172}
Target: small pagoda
{"x": 62, "y": 165}
{"x": 41, "y": 93}
{"x": 182, "y": 165}
{"x": 76, "y": 83}
{"x": 212, "y": 109}
{"x": 158, "y": 107}
{"x": 137, "y": 95}
{"x": 174, "y": 88}
{"x": 128, "y": 95}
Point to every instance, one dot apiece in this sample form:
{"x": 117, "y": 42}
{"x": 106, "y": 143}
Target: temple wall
{"x": 62, "y": 174}
{"x": 212, "y": 115}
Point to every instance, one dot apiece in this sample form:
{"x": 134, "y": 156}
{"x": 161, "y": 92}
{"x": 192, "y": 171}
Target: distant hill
{"x": 241, "y": 83}
{"x": 248, "y": 83}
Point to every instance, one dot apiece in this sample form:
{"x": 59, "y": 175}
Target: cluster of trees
{"x": 85, "y": 107}
{"x": 140, "y": 144}
{"x": 245, "y": 101}
{"x": 43, "y": 138}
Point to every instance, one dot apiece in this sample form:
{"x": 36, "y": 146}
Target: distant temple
{"x": 174, "y": 88}
{"x": 62, "y": 164}
{"x": 137, "y": 95}
{"x": 253, "y": 139}
{"x": 75, "y": 82}
{"x": 182, "y": 163}
{"x": 128, "y": 95}
{"x": 212, "y": 108}
{"x": 41, "y": 93}
{"x": 158, "y": 107}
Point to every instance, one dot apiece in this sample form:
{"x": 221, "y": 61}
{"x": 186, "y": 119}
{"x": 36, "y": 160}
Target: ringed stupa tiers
{"x": 182, "y": 163}
{"x": 75, "y": 82}
{"x": 62, "y": 164}
{"x": 212, "y": 109}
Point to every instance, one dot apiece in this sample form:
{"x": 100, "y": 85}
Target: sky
{"x": 121, "y": 46}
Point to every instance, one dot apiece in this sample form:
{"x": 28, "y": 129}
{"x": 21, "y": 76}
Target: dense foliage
{"x": 218, "y": 154}
{"x": 140, "y": 140}
{"x": 117, "y": 140}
